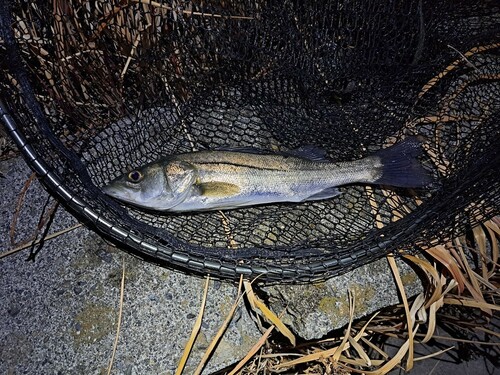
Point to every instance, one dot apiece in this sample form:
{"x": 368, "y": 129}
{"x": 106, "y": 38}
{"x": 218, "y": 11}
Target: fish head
{"x": 158, "y": 186}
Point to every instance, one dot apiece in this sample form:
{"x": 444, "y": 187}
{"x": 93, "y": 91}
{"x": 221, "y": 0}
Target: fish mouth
{"x": 117, "y": 194}
{"x": 108, "y": 190}
{"x": 120, "y": 196}
{"x": 123, "y": 196}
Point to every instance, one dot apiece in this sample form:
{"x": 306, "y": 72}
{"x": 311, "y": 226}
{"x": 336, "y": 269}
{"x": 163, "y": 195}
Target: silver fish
{"x": 228, "y": 179}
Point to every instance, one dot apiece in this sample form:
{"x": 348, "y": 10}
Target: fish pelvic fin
{"x": 399, "y": 165}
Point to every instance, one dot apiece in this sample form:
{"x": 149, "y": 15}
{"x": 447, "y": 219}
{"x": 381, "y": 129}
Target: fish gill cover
{"x": 94, "y": 89}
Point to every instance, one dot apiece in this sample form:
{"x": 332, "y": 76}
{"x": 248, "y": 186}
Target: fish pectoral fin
{"x": 218, "y": 189}
{"x": 324, "y": 194}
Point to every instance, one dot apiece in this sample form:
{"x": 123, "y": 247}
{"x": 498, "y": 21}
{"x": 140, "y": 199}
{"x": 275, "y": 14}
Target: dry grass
{"x": 41, "y": 231}
{"x": 461, "y": 277}
{"x": 85, "y": 78}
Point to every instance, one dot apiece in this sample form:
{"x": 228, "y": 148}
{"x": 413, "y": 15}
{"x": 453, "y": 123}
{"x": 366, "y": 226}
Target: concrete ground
{"x": 59, "y": 313}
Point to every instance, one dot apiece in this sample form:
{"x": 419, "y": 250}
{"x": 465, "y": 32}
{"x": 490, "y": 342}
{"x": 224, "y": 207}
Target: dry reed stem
{"x": 343, "y": 343}
{"x": 463, "y": 301}
{"x": 194, "y": 332}
{"x": 442, "y": 255}
{"x": 375, "y": 347}
{"x": 434, "y": 354}
{"x": 399, "y": 283}
{"x": 252, "y": 351}
{"x": 45, "y": 218}
{"x": 432, "y": 274}
{"x": 472, "y": 283}
{"x": 189, "y": 12}
{"x": 132, "y": 51}
{"x": 480, "y": 238}
{"x": 465, "y": 341}
{"x": 120, "y": 315}
{"x": 362, "y": 354}
{"x": 260, "y": 308}
{"x": 212, "y": 346}
{"x": 332, "y": 354}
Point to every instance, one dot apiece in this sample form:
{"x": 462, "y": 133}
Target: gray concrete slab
{"x": 58, "y": 313}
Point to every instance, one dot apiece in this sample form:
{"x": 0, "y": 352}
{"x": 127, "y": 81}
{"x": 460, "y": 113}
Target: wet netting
{"x": 92, "y": 89}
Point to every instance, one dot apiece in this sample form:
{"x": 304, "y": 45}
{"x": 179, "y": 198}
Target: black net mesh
{"x": 95, "y": 88}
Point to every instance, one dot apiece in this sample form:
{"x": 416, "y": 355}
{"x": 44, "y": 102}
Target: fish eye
{"x": 135, "y": 176}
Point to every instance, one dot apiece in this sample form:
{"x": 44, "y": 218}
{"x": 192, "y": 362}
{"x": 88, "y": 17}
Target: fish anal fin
{"x": 218, "y": 189}
{"x": 327, "y": 193}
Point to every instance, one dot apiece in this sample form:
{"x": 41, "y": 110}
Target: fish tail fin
{"x": 400, "y": 166}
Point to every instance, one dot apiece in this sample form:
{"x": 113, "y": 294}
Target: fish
{"x": 224, "y": 179}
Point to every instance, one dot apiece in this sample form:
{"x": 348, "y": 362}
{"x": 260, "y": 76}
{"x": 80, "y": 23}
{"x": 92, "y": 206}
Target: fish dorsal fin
{"x": 309, "y": 152}
{"x": 218, "y": 189}
{"x": 243, "y": 149}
